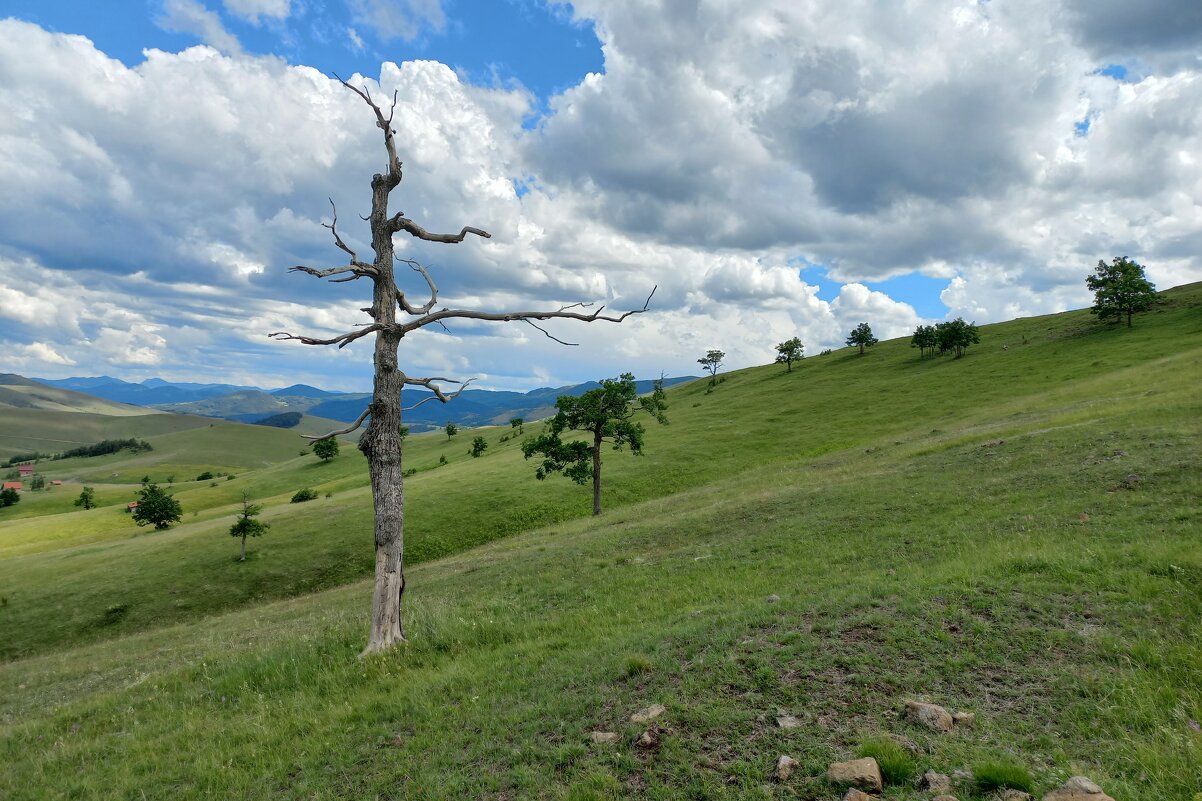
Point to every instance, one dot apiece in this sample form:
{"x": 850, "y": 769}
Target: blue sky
{"x": 523, "y": 40}
{"x": 775, "y": 168}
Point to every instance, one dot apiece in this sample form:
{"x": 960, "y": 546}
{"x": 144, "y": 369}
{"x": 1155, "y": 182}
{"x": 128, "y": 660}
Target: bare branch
{"x": 548, "y": 333}
{"x": 333, "y": 226}
{"x": 358, "y": 268}
{"x": 358, "y": 422}
{"x": 438, "y": 395}
{"x": 342, "y": 340}
{"x": 384, "y": 124}
{"x": 405, "y": 304}
{"x": 504, "y": 317}
{"x": 402, "y": 223}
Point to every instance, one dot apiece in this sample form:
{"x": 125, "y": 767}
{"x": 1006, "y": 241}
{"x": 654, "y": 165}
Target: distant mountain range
{"x": 475, "y": 407}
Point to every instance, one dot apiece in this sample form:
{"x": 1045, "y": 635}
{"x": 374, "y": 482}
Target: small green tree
{"x": 451, "y": 430}
{"x": 518, "y": 423}
{"x": 38, "y": 482}
{"x": 862, "y": 335}
{"x": 711, "y": 361}
{"x": 325, "y": 449}
{"x": 788, "y": 352}
{"x": 157, "y": 508}
{"x": 479, "y": 445}
{"x": 956, "y": 336}
{"x": 924, "y": 339}
{"x": 604, "y": 412}
{"x": 302, "y": 495}
{"x": 246, "y": 525}
{"x": 86, "y": 499}
{"x": 1120, "y": 288}
{"x": 8, "y": 497}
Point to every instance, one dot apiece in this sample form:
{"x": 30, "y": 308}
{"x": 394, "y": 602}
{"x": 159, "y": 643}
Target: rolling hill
{"x": 1014, "y": 533}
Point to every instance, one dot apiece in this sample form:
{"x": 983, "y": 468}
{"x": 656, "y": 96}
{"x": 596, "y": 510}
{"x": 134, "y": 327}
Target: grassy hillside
{"x": 962, "y": 531}
{"x": 18, "y": 392}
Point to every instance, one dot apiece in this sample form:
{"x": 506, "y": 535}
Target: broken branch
{"x": 358, "y": 422}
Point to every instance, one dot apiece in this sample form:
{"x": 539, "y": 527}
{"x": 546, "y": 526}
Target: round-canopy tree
{"x": 862, "y": 335}
{"x": 788, "y": 352}
{"x": 156, "y": 508}
{"x": 1120, "y": 288}
{"x": 381, "y": 442}
{"x": 326, "y": 449}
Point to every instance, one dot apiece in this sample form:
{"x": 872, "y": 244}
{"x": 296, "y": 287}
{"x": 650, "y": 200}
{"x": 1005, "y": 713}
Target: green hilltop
{"x": 1015, "y": 533}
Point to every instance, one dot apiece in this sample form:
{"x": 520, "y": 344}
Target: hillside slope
{"x": 1015, "y": 533}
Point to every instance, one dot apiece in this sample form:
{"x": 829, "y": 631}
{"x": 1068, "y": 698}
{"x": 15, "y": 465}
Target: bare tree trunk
{"x": 243, "y": 559}
{"x": 381, "y": 442}
{"x": 597, "y": 472}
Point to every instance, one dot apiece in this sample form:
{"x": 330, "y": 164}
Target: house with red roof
{"x": 26, "y": 470}
{"x": 13, "y": 485}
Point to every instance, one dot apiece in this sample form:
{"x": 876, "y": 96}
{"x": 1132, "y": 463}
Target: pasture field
{"x": 1016, "y": 533}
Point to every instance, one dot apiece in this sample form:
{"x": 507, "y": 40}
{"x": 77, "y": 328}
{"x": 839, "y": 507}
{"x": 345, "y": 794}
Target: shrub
{"x": 304, "y": 495}
{"x": 205, "y": 476}
{"x": 442, "y": 459}
{"x": 897, "y": 766}
{"x": 1003, "y": 774}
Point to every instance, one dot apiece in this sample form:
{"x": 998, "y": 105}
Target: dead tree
{"x": 381, "y": 441}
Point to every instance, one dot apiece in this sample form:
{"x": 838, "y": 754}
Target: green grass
{"x": 896, "y": 764}
{"x": 1001, "y": 775}
{"x": 952, "y": 530}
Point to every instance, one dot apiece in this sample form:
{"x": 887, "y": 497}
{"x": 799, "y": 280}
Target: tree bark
{"x": 243, "y": 559}
{"x": 596, "y": 472}
{"x": 381, "y": 442}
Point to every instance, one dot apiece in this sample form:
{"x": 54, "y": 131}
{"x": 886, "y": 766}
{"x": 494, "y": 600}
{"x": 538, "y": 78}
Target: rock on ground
{"x": 784, "y": 767}
{"x": 787, "y": 721}
{"x": 930, "y": 715}
{"x": 601, "y": 737}
{"x": 963, "y": 718}
{"x": 858, "y": 795}
{"x": 649, "y": 714}
{"x": 862, "y": 773}
{"x": 936, "y": 782}
{"x": 1077, "y": 788}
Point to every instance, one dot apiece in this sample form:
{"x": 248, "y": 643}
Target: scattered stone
{"x": 936, "y": 782}
{"x": 962, "y": 775}
{"x": 787, "y": 721}
{"x": 1132, "y": 481}
{"x": 1083, "y": 517}
{"x": 858, "y": 795}
{"x": 1013, "y": 795}
{"x": 1078, "y": 788}
{"x": 964, "y": 718}
{"x": 647, "y": 739}
{"x": 603, "y": 737}
{"x": 862, "y": 773}
{"x": 649, "y": 714}
{"x": 903, "y": 741}
{"x": 784, "y": 767}
{"x": 945, "y": 798}
{"x": 932, "y": 716}
{"x": 773, "y": 599}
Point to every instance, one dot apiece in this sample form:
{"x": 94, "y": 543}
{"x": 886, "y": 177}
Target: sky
{"x": 774, "y": 168}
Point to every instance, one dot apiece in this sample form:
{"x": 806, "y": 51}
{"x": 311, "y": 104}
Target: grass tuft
{"x": 637, "y": 664}
{"x": 896, "y": 764}
{"x": 1003, "y": 774}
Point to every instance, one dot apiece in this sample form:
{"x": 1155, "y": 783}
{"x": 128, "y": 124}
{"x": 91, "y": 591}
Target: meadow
{"x": 1015, "y": 533}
